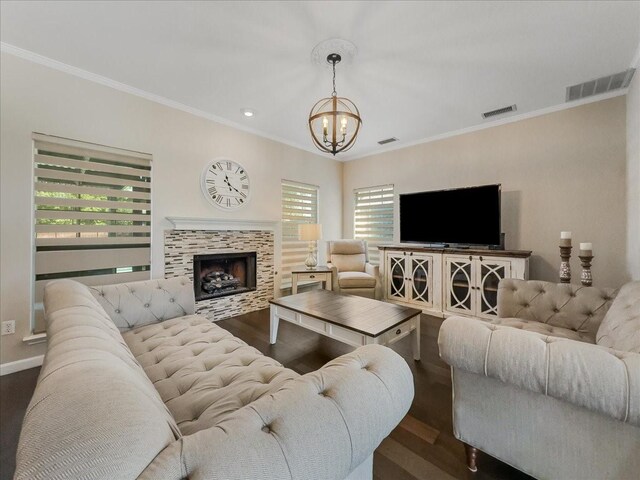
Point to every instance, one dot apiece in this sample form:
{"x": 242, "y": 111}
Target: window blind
{"x": 92, "y": 215}
{"x": 373, "y": 217}
{"x": 299, "y": 205}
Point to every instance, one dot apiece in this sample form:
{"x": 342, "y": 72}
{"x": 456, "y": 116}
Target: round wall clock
{"x": 225, "y": 183}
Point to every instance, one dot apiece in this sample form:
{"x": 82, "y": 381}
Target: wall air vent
{"x": 600, "y": 85}
{"x": 387, "y": 140}
{"x": 500, "y": 111}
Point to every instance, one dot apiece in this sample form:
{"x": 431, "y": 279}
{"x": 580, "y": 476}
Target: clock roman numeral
{"x": 228, "y": 165}
{"x": 219, "y": 200}
{"x": 213, "y": 170}
{"x": 243, "y": 194}
{"x": 219, "y": 165}
{"x": 237, "y": 170}
{"x": 212, "y": 190}
{"x": 245, "y": 186}
{"x": 243, "y": 177}
{"x": 228, "y": 202}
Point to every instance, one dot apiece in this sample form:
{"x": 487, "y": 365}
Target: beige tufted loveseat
{"x": 134, "y": 385}
{"x": 551, "y": 387}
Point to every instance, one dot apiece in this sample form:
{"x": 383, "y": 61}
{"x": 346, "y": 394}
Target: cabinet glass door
{"x": 489, "y": 275}
{"x": 459, "y": 286}
{"x": 420, "y": 287}
{"x": 396, "y": 284}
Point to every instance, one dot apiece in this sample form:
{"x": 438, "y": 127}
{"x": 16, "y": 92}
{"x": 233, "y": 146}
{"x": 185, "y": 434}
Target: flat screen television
{"x": 460, "y": 216}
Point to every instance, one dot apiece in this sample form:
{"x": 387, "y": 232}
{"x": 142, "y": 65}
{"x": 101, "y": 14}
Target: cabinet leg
{"x": 273, "y": 326}
{"x": 472, "y": 457}
{"x": 415, "y": 340}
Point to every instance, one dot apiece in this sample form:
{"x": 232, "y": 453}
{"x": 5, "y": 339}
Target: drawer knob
{"x": 398, "y": 331}
{"x": 312, "y": 276}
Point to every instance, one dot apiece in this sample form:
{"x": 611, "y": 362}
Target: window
{"x": 92, "y": 215}
{"x": 373, "y": 218}
{"x": 299, "y": 205}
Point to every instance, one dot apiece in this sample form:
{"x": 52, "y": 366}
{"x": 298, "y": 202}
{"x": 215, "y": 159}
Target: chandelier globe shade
{"x": 334, "y": 122}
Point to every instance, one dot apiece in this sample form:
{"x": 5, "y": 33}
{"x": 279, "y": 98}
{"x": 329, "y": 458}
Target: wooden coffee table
{"x": 353, "y": 320}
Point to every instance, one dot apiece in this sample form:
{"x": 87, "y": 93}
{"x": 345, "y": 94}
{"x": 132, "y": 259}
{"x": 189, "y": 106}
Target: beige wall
{"x": 633, "y": 176}
{"x": 560, "y": 171}
{"x": 40, "y": 99}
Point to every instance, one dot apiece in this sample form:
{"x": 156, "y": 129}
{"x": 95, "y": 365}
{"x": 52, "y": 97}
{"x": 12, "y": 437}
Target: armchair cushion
{"x": 356, "y": 280}
{"x": 573, "y": 307}
{"x": 599, "y": 379}
{"x": 349, "y": 263}
{"x": 620, "y": 328}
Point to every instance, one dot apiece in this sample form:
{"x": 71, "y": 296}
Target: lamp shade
{"x": 310, "y": 231}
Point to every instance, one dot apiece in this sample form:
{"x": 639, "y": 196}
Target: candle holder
{"x": 565, "y": 266}
{"x": 585, "y": 277}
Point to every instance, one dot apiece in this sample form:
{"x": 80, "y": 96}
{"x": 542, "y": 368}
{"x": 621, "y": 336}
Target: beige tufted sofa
{"x": 551, "y": 387}
{"x": 134, "y": 385}
{"x": 352, "y": 272}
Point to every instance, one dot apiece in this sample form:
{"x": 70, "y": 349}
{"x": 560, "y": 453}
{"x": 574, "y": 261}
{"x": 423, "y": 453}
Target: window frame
{"x": 372, "y": 244}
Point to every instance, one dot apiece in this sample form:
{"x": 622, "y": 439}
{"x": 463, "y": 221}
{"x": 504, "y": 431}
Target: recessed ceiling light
{"x": 247, "y": 112}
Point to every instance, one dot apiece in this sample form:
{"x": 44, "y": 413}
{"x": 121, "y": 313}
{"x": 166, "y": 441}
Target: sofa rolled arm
{"x": 597, "y": 378}
{"x": 321, "y": 425}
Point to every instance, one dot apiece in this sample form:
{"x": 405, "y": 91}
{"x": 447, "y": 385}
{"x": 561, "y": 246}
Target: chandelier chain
{"x": 334, "y": 93}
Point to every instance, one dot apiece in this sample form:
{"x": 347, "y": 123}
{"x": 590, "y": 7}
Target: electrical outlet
{"x": 9, "y": 327}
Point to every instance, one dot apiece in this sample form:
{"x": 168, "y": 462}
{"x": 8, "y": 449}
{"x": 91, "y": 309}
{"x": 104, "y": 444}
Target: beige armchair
{"x": 551, "y": 386}
{"x": 351, "y": 271}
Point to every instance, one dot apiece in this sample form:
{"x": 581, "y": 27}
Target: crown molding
{"x": 494, "y": 123}
{"x": 123, "y": 87}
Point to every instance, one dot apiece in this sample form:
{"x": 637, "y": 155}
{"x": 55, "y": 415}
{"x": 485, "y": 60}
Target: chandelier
{"x": 334, "y": 122}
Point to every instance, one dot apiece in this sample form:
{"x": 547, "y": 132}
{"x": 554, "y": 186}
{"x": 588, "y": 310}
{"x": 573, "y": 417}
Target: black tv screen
{"x": 463, "y": 216}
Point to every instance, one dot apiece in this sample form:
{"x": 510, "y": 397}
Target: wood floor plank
{"x": 419, "y": 429}
{"x": 417, "y": 466}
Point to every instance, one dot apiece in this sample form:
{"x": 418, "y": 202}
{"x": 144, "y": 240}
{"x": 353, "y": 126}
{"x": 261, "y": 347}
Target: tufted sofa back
{"x": 135, "y": 304}
{"x": 94, "y": 412}
{"x": 575, "y": 307}
{"x": 620, "y": 329}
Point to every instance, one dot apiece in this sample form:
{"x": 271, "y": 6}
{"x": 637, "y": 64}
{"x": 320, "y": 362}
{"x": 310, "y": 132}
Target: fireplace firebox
{"x": 221, "y": 274}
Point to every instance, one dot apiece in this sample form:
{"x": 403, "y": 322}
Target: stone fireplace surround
{"x": 192, "y": 236}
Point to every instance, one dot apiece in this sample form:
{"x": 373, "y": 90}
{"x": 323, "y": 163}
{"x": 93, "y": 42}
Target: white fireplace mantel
{"x": 195, "y": 223}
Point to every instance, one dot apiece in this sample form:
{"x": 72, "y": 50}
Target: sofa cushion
{"x": 542, "y": 328}
{"x": 135, "y": 304}
{"x": 349, "y": 263}
{"x": 575, "y": 307}
{"x": 202, "y": 372}
{"x": 620, "y": 328}
{"x": 356, "y": 280}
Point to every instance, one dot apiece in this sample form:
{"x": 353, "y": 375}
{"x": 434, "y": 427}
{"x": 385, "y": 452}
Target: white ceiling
{"x": 422, "y": 69}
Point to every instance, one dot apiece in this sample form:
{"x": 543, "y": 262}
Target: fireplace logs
{"x": 218, "y": 282}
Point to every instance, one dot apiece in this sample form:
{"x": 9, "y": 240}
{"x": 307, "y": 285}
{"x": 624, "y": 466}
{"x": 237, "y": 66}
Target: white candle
{"x": 565, "y": 235}
{"x": 343, "y": 125}
{"x": 325, "y": 125}
{"x": 586, "y": 246}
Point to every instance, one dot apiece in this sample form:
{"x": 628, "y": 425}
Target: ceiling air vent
{"x": 500, "y": 111}
{"x": 387, "y": 140}
{"x": 600, "y": 85}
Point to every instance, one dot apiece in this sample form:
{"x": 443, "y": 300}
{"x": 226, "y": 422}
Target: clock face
{"x": 225, "y": 183}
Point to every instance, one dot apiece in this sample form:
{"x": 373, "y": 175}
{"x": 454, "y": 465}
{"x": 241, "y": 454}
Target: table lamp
{"x": 310, "y": 232}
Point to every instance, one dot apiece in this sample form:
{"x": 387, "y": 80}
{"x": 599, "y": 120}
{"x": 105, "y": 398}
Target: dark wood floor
{"x": 402, "y": 456}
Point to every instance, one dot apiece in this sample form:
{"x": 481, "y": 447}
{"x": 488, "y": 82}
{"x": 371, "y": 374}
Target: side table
{"x": 303, "y": 274}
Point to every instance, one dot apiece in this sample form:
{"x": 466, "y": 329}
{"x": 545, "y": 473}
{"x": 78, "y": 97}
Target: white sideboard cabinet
{"x": 448, "y": 281}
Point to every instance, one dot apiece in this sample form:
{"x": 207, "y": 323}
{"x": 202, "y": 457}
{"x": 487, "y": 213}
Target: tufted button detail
{"x": 172, "y": 300}
{"x": 146, "y": 305}
{"x": 266, "y": 428}
{"x": 117, "y": 310}
{"x": 556, "y": 310}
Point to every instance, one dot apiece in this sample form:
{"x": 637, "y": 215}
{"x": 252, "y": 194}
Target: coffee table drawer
{"x": 396, "y": 333}
{"x": 345, "y": 335}
{"x": 312, "y": 323}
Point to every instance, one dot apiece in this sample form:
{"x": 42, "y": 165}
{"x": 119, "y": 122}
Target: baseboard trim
{"x": 19, "y": 365}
